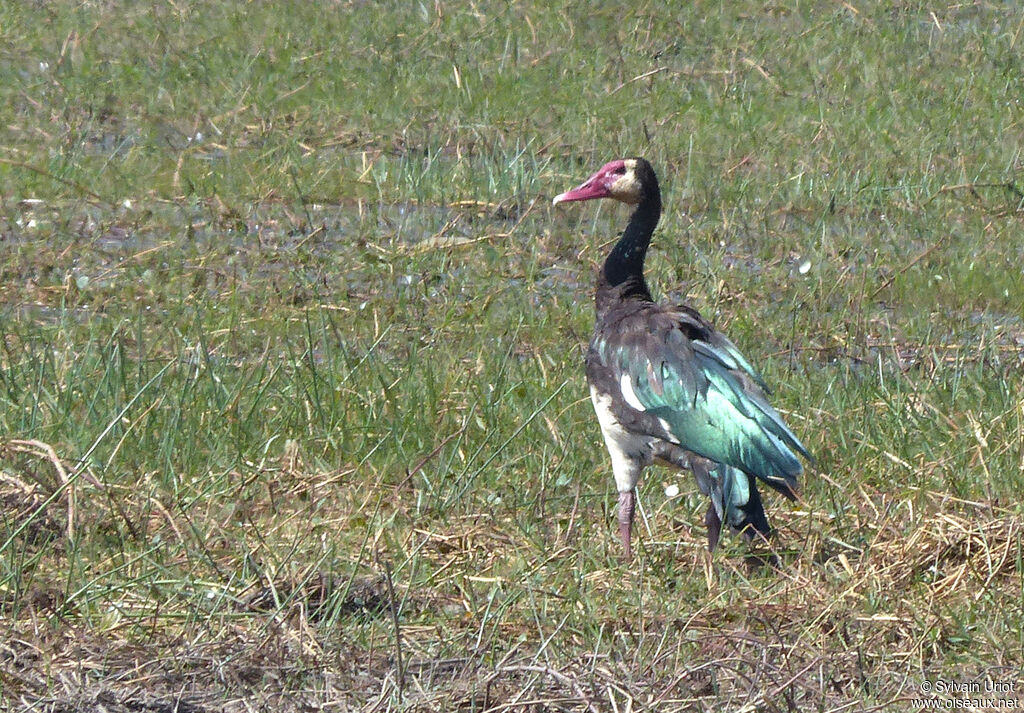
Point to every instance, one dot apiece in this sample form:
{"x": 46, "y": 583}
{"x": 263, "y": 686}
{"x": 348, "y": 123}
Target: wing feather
{"x": 706, "y": 395}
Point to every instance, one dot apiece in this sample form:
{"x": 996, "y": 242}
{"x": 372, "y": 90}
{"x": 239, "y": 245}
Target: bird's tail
{"x": 735, "y": 501}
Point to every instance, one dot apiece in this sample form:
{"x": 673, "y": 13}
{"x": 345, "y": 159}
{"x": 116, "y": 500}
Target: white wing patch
{"x": 628, "y": 394}
{"x": 668, "y": 429}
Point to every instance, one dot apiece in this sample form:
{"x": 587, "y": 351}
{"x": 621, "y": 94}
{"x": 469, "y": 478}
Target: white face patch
{"x": 628, "y": 394}
{"x": 626, "y": 188}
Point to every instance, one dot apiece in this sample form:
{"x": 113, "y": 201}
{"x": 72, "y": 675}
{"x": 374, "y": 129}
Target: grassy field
{"x": 292, "y": 406}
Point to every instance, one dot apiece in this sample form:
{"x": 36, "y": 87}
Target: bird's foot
{"x": 766, "y": 554}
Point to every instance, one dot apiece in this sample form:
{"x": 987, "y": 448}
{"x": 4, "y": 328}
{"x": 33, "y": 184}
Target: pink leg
{"x": 627, "y": 504}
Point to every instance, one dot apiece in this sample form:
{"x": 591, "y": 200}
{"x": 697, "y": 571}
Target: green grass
{"x": 283, "y": 291}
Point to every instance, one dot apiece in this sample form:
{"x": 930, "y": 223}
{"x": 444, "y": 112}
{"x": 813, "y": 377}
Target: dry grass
{"x": 844, "y": 626}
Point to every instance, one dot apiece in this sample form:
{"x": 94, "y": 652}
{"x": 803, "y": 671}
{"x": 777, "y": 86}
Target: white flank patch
{"x": 621, "y": 443}
{"x": 627, "y": 393}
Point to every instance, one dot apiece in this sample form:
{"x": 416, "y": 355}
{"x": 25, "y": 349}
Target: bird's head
{"x": 624, "y": 179}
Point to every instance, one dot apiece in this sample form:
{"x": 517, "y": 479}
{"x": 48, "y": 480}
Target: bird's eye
{"x": 620, "y": 171}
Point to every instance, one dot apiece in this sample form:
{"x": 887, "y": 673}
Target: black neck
{"x": 623, "y": 271}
